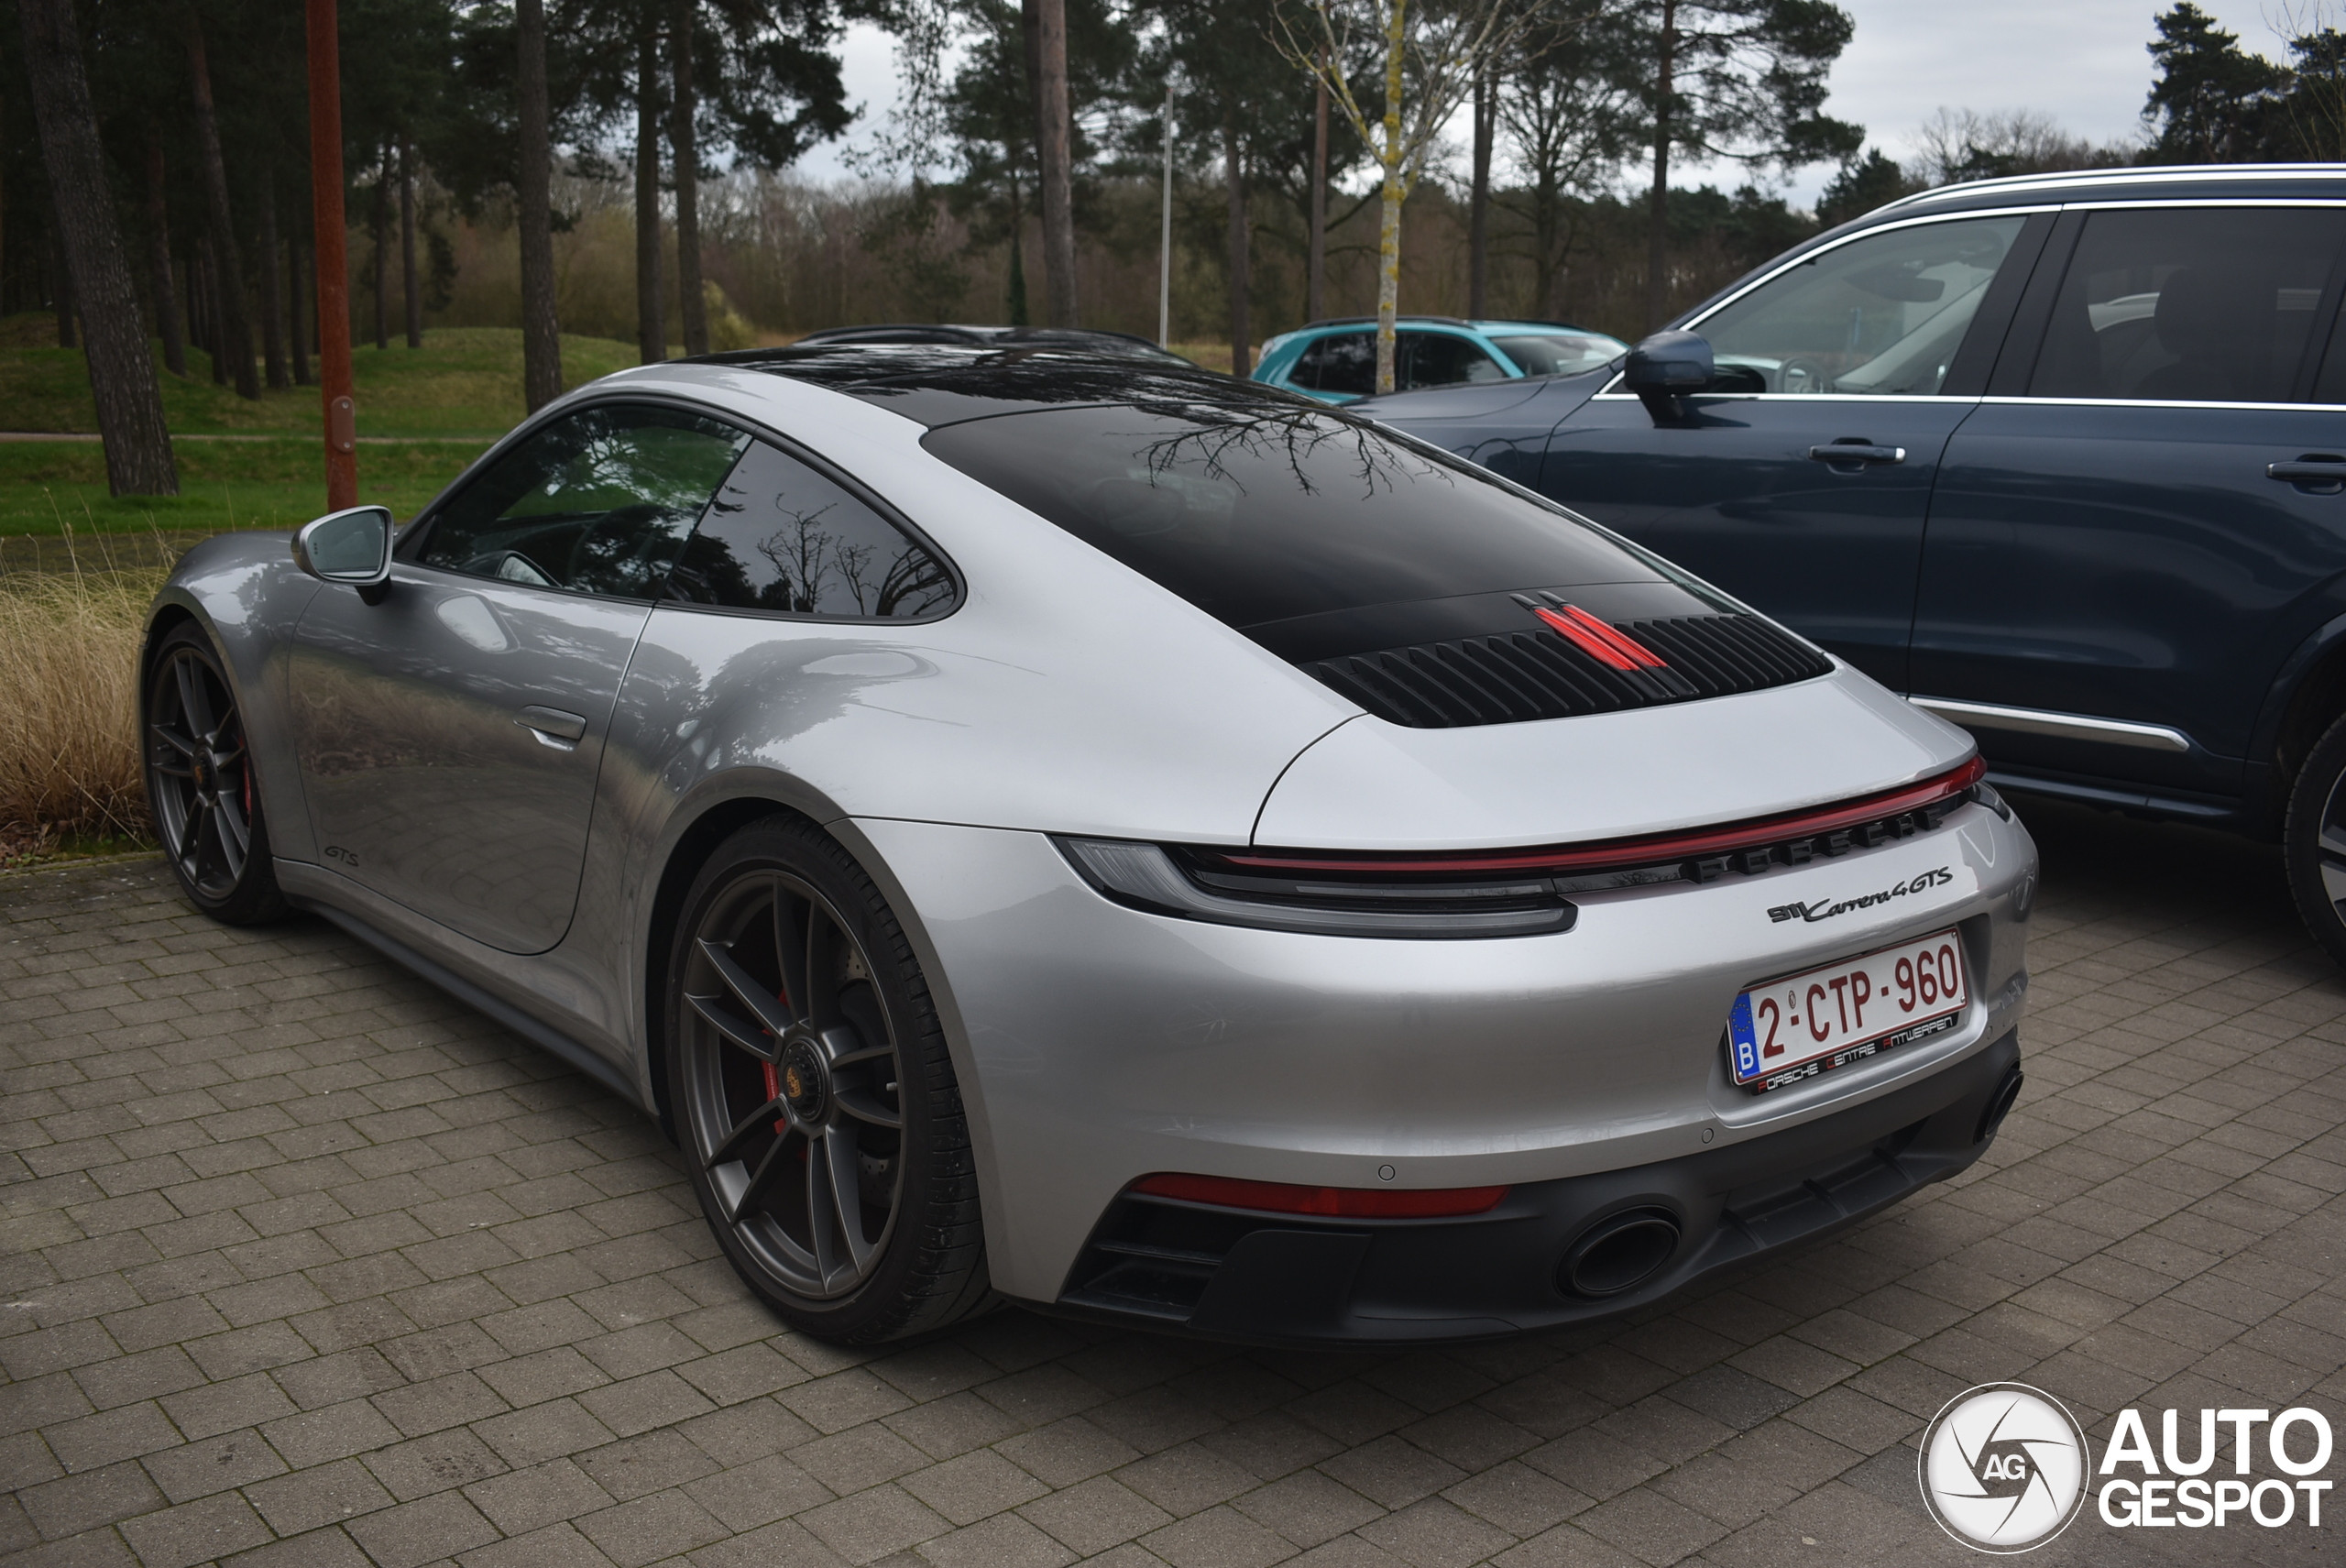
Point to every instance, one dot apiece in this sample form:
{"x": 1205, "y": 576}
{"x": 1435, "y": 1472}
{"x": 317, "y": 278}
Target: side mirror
{"x": 1666, "y": 367}
{"x": 350, "y": 547}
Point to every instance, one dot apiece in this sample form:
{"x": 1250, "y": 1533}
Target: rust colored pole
{"x": 332, "y": 268}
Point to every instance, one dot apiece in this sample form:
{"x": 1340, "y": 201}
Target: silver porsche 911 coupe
{"x": 1116, "y": 839}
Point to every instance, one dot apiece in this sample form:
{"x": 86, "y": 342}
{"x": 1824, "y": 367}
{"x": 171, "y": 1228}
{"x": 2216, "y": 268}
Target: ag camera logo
{"x": 2003, "y": 1467}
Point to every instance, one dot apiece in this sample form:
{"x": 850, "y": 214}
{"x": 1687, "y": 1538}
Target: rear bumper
{"x": 1283, "y": 1279}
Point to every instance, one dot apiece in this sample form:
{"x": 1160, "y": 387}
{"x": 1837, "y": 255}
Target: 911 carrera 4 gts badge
{"x": 1825, "y": 908}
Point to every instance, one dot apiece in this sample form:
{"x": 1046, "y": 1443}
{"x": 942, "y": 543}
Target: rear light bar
{"x": 1337, "y": 1202}
{"x": 1858, "y": 819}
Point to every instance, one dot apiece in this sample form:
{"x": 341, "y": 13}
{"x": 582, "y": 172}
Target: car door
{"x": 1800, "y": 482}
{"x": 2126, "y": 536}
{"x": 449, "y": 736}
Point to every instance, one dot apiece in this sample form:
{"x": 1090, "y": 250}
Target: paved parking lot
{"x": 308, "y": 1266}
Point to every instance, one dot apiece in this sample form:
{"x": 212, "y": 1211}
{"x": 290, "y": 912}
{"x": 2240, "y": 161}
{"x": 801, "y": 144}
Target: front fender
{"x": 245, "y": 593}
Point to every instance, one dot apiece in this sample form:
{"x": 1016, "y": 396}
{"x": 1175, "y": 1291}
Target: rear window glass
{"x": 1344, "y": 363}
{"x": 1258, "y": 516}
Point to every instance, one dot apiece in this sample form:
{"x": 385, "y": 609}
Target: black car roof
{"x": 940, "y": 384}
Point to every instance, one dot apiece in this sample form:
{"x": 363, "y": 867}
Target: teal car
{"x": 1335, "y": 361}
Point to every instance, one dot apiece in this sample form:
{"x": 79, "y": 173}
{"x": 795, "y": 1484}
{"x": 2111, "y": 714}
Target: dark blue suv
{"x": 2061, "y": 458}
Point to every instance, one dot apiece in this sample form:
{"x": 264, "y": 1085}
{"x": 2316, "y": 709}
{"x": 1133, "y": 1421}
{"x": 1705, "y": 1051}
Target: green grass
{"x": 440, "y": 405}
{"x": 462, "y": 381}
{"x": 46, "y": 486}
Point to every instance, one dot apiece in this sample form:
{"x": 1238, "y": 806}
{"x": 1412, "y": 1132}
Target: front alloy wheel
{"x": 199, "y": 786}
{"x": 814, "y": 1095}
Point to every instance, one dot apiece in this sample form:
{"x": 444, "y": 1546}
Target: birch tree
{"x": 1432, "y": 54}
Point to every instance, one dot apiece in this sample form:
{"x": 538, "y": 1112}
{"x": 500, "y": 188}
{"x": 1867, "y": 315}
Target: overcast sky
{"x": 2080, "y": 61}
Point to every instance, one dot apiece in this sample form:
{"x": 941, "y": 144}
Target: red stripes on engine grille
{"x": 1608, "y": 645}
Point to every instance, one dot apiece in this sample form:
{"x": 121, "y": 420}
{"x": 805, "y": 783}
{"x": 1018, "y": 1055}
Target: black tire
{"x": 199, "y": 784}
{"x": 803, "y": 1055}
{"x": 2313, "y": 841}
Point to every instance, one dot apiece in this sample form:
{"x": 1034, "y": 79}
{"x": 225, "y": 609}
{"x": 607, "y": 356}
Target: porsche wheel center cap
{"x": 805, "y": 1082}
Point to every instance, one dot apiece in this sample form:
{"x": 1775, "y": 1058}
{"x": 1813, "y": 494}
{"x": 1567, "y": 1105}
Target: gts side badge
{"x": 1825, "y": 909}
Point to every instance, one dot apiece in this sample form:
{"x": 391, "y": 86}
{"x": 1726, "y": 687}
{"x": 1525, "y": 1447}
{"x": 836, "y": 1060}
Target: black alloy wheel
{"x": 813, "y": 1096}
{"x": 199, "y": 784}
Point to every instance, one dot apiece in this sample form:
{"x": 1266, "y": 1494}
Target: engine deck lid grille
{"x": 1562, "y": 665}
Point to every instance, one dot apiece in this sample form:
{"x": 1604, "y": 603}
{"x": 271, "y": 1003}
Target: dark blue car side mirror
{"x": 1665, "y": 367}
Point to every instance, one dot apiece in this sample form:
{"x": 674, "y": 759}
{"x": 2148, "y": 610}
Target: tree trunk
{"x": 681, "y": 135}
{"x": 272, "y": 333}
{"x": 1658, "y": 215}
{"x": 1478, "y": 201}
{"x": 1020, "y": 316}
{"x": 122, "y": 370}
{"x": 1234, "y": 181}
{"x": 1055, "y": 150}
{"x": 651, "y": 305}
{"x": 380, "y": 220}
{"x": 158, "y": 257}
{"x": 1388, "y": 229}
{"x": 236, "y": 332}
{"x": 407, "y": 246}
{"x": 1315, "y": 303}
{"x": 216, "y": 343}
{"x": 297, "y": 342}
{"x": 61, "y": 287}
{"x": 540, "y": 335}
{"x": 330, "y": 255}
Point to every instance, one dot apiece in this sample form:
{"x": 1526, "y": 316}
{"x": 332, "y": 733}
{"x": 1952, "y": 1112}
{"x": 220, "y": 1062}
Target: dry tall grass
{"x": 69, "y": 672}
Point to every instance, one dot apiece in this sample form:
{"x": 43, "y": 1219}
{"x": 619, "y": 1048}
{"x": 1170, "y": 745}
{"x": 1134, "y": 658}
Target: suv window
{"x": 1881, "y": 316}
{"x": 598, "y": 502}
{"x": 2202, "y": 304}
{"x": 1559, "y": 354}
{"x": 781, "y": 536}
{"x": 1343, "y": 362}
{"x": 1438, "y": 359}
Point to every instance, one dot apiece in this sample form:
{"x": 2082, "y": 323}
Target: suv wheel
{"x": 2314, "y": 841}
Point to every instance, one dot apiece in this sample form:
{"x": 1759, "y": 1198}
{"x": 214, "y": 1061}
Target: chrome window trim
{"x": 2059, "y": 726}
{"x": 1805, "y": 397}
{"x": 2159, "y": 404}
{"x": 2102, "y": 206}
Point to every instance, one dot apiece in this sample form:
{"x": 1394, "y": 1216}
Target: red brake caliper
{"x": 773, "y": 1075}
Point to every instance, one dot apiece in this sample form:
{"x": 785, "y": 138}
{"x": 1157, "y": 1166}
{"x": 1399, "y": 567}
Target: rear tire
{"x": 199, "y": 784}
{"x": 814, "y": 1097}
{"x": 2313, "y": 841}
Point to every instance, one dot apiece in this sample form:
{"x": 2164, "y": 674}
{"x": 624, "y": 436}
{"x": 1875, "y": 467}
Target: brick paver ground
{"x": 308, "y": 1266}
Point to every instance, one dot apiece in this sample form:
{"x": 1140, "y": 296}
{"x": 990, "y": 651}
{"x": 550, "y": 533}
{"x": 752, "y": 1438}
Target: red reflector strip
{"x": 1652, "y": 850}
{"x": 1342, "y": 1203}
{"x": 1620, "y": 640}
{"x": 1587, "y": 641}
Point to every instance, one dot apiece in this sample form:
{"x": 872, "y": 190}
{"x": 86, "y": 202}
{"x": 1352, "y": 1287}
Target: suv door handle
{"x": 2313, "y": 468}
{"x": 1858, "y": 452}
{"x": 553, "y": 728}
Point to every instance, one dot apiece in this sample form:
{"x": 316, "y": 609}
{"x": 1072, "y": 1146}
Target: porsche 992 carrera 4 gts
{"x": 1108, "y": 837}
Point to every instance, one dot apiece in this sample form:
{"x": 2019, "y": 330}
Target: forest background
{"x": 1553, "y": 165}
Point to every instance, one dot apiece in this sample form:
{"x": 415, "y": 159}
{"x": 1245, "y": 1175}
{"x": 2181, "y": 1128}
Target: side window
{"x": 2198, "y": 305}
{"x": 1880, "y": 316}
{"x": 1438, "y": 359}
{"x": 781, "y": 537}
{"x": 599, "y": 502}
{"x": 1344, "y": 362}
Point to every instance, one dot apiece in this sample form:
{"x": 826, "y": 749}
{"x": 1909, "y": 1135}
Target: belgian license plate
{"x": 1803, "y": 1025}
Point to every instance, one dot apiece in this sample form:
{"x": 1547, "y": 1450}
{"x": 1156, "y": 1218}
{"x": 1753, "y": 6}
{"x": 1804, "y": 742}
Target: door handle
{"x": 2313, "y": 468}
{"x": 1858, "y": 452}
{"x": 553, "y": 728}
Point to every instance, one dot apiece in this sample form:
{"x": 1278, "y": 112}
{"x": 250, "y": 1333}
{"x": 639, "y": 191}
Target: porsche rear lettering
{"x": 1825, "y": 909}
